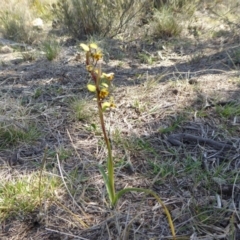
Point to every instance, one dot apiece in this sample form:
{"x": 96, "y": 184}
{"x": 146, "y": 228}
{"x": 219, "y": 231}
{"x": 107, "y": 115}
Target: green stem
{"x": 41, "y": 172}
{"x": 110, "y": 166}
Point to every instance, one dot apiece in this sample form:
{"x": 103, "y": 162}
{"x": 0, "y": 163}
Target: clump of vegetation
{"x": 229, "y": 110}
{"x": 14, "y": 24}
{"x": 20, "y": 195}
{"x": 51, "y": 48}
{"x": 81, "y": 110}
{"x": 11, "y": 134}
{"x": 165, "y": 23}
{"x": 42, "y": 8}
{"x": 15, "y": 125}
{"x": 16, "y": 19}
{"x": 169, "y": 16}
{"x": 105, "y": 18}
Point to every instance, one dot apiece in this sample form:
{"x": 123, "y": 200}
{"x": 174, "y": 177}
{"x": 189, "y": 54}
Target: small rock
{"x": 37, "y": 23}
{"x": 175, "y": 91}
{"x": 192, "y": 81}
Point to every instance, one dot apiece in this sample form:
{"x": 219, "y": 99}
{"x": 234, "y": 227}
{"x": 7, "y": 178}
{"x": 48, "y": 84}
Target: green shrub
{"x": 105, "y": 17}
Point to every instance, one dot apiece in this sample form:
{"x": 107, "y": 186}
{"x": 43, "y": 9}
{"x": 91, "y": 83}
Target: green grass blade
{"x": 108, "y": 185}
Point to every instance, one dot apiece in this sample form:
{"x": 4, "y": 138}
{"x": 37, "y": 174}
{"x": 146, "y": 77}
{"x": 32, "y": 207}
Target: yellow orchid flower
{"x": 97, "y": 56}
{"x": 108, "y": 76}
{"x": 89, "y": 68}
{"x": 103, "y": 93}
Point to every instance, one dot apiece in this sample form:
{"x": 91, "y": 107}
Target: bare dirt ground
{"x": 178, "y": 91}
